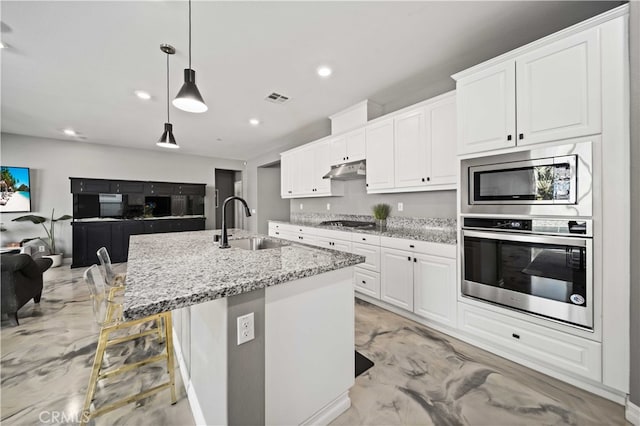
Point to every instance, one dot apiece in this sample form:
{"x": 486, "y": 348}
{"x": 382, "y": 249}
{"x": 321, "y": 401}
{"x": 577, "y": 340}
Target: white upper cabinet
{"x": 411, "y": 162}
{"x": 348, "y": 147}
{"x": 549, "y": 93}
{"x": 441, "y": 132}
{"x": 379, "y": 152}
{"x": 302, "y": 170}
{"x": 558, "y": 90}
{"x": 286, "y": 172}
{"x": 487, "y": 109}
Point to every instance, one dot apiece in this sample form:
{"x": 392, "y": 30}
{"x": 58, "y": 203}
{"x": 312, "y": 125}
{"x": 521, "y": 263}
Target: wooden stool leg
{"x": 168, "y": 329}
{"x": 161, "y": 336}
{"x": 93, "y": 379}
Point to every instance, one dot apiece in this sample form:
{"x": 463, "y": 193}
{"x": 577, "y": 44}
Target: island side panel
{"x": 309, "y": 348}
{"x": 208, "y": 344}
{"x": 245, "y": 374}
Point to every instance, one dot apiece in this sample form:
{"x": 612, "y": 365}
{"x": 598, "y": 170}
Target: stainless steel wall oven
{"x": 540, "y": 266}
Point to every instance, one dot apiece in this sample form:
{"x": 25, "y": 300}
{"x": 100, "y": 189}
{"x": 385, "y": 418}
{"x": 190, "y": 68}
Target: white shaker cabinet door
{"x": 355, "y": 145}
{"x": 435, "y": 288}
{"x": 442, "y": 141}
{"x": 396, "y": 281}
{"x": 411, "y": 163}
{"x": 321, "y": 165}
{"x": 558, "y": 89}
{"x": 379, "y": 151}
{"x": 338, "y": 150}
{"x": 486, "y": 109}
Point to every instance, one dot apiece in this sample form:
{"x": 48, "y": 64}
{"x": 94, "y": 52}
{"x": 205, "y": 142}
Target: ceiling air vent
{"x": 276, "y": 98}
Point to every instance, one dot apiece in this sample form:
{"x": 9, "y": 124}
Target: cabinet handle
{"x": 364, "y": 239}
{"x": 367, "y": 185}
{"x": 508, "y": 137}
{"x": 423, "y": 179}
{"x": 217, "y": 201}
{"x": 277, "y": 233}
{"x": 411, "y": 246}
{"x": 415, "y": 260}
{"x": 409, "y": 258}
{"x": 428, "y": 179}
{"x": 516, "y": 336}
{"x": 364, "y": 282}
{"x": 521, "y": 136}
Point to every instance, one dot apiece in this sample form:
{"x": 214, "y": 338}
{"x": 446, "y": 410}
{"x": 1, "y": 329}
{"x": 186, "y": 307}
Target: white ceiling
{"x": 76, "y": 64}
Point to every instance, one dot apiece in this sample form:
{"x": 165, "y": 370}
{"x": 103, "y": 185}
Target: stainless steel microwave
{"x": 549, "y": 181}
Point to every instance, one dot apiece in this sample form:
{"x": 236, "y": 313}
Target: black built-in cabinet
{"x": 89, "y": 236}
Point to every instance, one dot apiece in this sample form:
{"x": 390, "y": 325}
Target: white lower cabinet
{"x": 396, "y": 286}
{"x": 434, "y": 288}
{"x": 367, "y": 282}
{"x": 372, "y": 254}
{"x": 540, "y": 344}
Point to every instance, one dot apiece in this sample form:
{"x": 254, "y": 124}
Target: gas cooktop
{"x": 349, "y": 224}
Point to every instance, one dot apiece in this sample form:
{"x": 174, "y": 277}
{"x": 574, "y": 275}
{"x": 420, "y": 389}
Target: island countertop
{"x": 175, "y": 270}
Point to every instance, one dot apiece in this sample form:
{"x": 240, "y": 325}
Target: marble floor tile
{"x": 420, "y": 376}
{"x": 425, "y": 377}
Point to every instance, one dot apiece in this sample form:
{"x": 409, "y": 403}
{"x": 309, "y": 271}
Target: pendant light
{"x": 189, "y": 98}
{"x": 167, "y": 140}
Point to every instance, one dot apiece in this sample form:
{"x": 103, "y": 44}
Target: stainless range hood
{"x": 347, "y": 171}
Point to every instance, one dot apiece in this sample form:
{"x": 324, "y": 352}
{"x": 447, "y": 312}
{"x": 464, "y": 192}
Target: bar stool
{"x": 115, "y": 282}
{"x": 109, "y": 317}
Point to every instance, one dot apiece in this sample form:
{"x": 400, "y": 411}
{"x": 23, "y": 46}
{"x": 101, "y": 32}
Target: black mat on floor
{"x": 362, "y": 363}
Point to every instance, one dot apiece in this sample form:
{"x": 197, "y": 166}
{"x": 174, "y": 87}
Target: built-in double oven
{"x": 527, "y": 232}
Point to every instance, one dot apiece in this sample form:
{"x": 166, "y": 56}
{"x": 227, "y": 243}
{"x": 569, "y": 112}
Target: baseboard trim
{"x": 632, "y": 413}
{"x": 196, "y": 411}
{"x": 330, "y": 411}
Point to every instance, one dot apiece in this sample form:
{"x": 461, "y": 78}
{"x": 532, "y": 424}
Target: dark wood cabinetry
{"x": 90, "y": 186}
{"x": 166, "y": 198}
{"x": 88, "y": 237}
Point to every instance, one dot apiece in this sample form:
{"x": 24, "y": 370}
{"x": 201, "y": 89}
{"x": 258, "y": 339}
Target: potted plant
{"x": 380, "y": 213}
{"x": 55, "y": 256}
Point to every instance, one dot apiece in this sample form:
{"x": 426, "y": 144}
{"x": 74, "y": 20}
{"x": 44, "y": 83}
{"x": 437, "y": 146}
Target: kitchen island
{"x": 299, "y": 366}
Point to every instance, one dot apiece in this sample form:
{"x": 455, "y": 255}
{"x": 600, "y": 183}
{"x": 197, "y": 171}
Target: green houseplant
{"x": 50, "y": 230}
{"x": 381, "y": 213}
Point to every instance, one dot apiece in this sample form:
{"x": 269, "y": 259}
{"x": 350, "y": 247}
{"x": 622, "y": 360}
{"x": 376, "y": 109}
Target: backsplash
{"x": 393, "y": 222}
{"x": 356, "y": 201}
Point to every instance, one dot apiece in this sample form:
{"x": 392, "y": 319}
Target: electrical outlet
{"x": 400, "y": 207}
{"x": 41, "y": 248}
{"x": 301, "y": 206}
{"x": 328, "y": 206}
{"x": 253, "y": 211}
{"x": 246, "y": 328}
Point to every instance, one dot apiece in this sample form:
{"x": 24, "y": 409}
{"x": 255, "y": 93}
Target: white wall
{"x": 271, "y": 205}
{"x": 53, "y": 161}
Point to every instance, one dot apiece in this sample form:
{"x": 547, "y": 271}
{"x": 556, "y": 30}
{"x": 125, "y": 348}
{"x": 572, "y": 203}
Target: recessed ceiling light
{"x": 324, "y": 71}
{"x": 142, "y": 95}
{"x": 254, "y": 121}
{"x": 70, "y": 132}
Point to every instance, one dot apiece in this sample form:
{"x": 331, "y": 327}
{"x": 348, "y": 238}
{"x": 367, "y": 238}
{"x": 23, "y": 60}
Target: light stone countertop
{"x": 179, "y": 269}
{"x": 444, "y": 235}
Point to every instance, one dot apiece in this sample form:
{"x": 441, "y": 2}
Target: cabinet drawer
{"x": 331, "y": 234}
{"x": 426, "y": 247}
{"x": 365, "y": 238}
{"x": 90, "y": 186}
{"x": 366, "y": 282}
{"x": 127, "y": 187}
{"x": 372, "y": 253}
{"x": 158, "y": 188}
{"x": 554, "y": 348}
{"x": 333, "y": 244}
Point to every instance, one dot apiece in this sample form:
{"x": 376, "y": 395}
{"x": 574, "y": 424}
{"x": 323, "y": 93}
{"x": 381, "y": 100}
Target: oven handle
{"x": 542, "y": 239}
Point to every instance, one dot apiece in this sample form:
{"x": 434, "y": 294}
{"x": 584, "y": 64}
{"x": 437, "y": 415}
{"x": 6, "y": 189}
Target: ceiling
{"x": 77, "y": 64}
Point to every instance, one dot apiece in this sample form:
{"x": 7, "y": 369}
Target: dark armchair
{"x": 21, "y": 282}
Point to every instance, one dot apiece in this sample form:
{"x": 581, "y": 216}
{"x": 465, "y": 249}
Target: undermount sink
{"x": 256, "y": 243}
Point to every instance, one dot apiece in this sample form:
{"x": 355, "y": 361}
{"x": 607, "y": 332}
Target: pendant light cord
{"x": 168, "y": 120}
{"x": 189, "y": 34}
